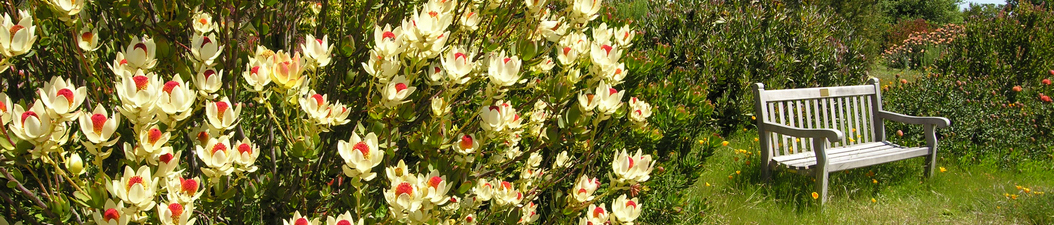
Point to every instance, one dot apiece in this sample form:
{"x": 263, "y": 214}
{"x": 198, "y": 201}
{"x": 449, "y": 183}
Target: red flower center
{"x": 176, "y": 209}
{"x": 318, "y": 99}
{"x": 203, "y": 137}
{"x": 153, "y": 135}
{"x": 188, "y": 186}
{"x": 404, "y": 188}
{"x": 203, "y": 21}
{"x": 205, "y": 41}
{"x": 245, "y": 148}
{"x": 433, "y": 13}
{"x": 590, "y": 97}
{"x": 437, "y": 70}
{"x": 506, "y": 60}
{"x": 607, "y": 49}
{"x": 598, "y": 211}
{"x": 67, "y": 93}
{"x": 466, "y": 142}
{"x": 97, "y": 121}
{"x": 141, "y": 46}
{"x": 388, "y": 35}
{"x": 134, "y": 180}
{"x": 494, "y": 108}
{"x": 460, "y": 56}
{"x": 319, "y": 42}
{"x": 507, "y": 185}
{"x": 255, "y": 70}
{"x": 630, "y": 162}
{"x": 169, "y": 86}
{"x": 567, "y": 50}
{"x": 469, "y": 219}
{"x": 123, "y": 62}
{"x": 219, "y": 147}
{"x": 3, "y": 107}
{"x": 167, "y": 157}
{"x": 87, "y": 36}
{"x": 400, "y": 87}
{"x": 435, "y": 181}
{"x": 209, "y": 73}
{"x": 301, "y": 221}
{"x": 221, "y": 108}
{"x": 343, "y": 222}
{"x": 15, "y": 28}
{"x": 27, "y": 114}
{"x": 110, "y": 215}
{"x": 363, "y": 148}
{"x": 630, "y": 203}
{"x": 140, "y": 82}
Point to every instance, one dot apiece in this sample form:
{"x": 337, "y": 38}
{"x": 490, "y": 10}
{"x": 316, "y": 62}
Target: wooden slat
{"x": 874, "y": 160}
{"x": 841, "y": 120}
{"x": 773, "y": 137}
{"x": 811, "y": 93}
{"x": 808, "y": 123}
{"x": 854, "y": 125}
{"x": 797, "y": 114}
{"x": 853, "y": 157}
{"x": 868, "y": 115}
{"x": 829, "y": 151}
{"x": 851, "y": 151}
{"x": 782, "y": 119}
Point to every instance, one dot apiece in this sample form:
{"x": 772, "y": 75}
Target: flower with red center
{"x": 396, "y": 91}
{"x": 205, "y": 49}
{"x": 470, "y": 20}
{"x": 596, "y": 215}
{"x": 111, "y": 214}
{"x": 176, "y": 100}
{"x": 88, "y": 40}
{"x": 300, "y": 220}
{"x": 258, "y": 75}
{"x": 183, "y": 190}
{"x": 529, "y": 213}
{"x": 625, "y": 210}
{"x": 59, "y": 96}
{"x": 17, "y": 39}
{"x": 467, "y": 144}
{"x": 246, "y": 156}
{"x": 152, "y": 139}
{"x": 360, "y": 155}
{"x": 495, "y": 118}
{"x": 584, "y": 188}
{"x": 387, "y": 41}
{"x": 458, "y": 65}
{"x": 640, "y": 111}
{"x": 436, "y": 188}
{"x": 97, "y": 127}
{"x": 507, "y": 194}
{"x": 604, "y": 54}
{"x": 221, "y": 116}
{"x": 139, "y": 93}
{"x": 202, "y": 22}
{"x": 405, "y": 194}
{"x": 140, "y": 53}
{"x": 632, "y": 169}
{"x": 504, "y": 71}
{"x": 608, "y": 99}
{"x": 208, "y": 81}
{"x": 216, "y": 156}
{"x": 343, "y": 219}
{"x": 137, "y": 188}
{"x": 175, "y": 213}
{"x": 316, "y": 107}
{"x": 319, "y": 50}
{"x": 34, "y": 124}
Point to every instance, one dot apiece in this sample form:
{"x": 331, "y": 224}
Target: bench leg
{"x": 931, "y": 142}
{"x": 821, "y": 184}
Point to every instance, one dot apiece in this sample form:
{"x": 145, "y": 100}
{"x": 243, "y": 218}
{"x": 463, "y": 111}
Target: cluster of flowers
{"x": 943, "y": 35}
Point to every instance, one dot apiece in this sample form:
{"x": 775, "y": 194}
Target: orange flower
{"x": 815, "y": 195}
{"x": 874, "y": 181}
{"x": 873, "y": 200}
{"x": 943, "y": 169}
{"x": 724, "y": 143}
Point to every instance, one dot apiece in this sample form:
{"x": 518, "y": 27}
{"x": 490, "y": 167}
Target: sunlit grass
{"x": 883, "y": 194}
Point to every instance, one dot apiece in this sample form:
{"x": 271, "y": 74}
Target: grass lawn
{"x": 730, "y": 191}
{"x": 884, "y": 73}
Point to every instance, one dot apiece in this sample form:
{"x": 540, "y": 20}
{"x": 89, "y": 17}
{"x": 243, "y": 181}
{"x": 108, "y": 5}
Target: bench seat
{"x": 853, "y": 156}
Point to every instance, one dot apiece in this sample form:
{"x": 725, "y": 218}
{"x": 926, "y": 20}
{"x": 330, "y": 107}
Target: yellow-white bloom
{"x": 61, "y": 97}
{"x": 176, "y": 213}
{"x": 639, "y": 111}
{"x": 286, "y": 71}
{"x": 398, "y": 173}
{"x": 138, "y": 93}
{"x": 484, "y": 190}
{"x": 360, "y": 156}
{"x": 608, "y": 99}
{"x": 470, "y": 20}
{"x": 258, "y": 75}
{"x": 562, "y": 160}
{"x": 208, "y": 81}
{"x": 166, "y": 163}
{"x": 436, "y": 187}
{"x": 396, "y": 91}
{"x": 203, "y": 22}
{"x": 217, "y": 156}
{"x": 343, "y": 219}
{"x": 405, "y": 195}
{"x": 435, "y": 74}
{"x": 584, "y": 188}
{"x": 633, "y": 169}
{"x": 176, "y": 99}
{"x": 506, "y": 194}
{"x": 595, "y": 215}
{"x": 300, "y": 220}
{"x": 316, "y": 106}
{"x": 67, "y": 7}
{"x": 151, "y": 140}
{"x": 111, "y": 214}
{"x": 5, "y": 109}
{"x": 141, "y": 53}
{"x": 137, "y": 188}
{"x": 338, "y": 115}
{"x": 585, "y": 10}
{"x": 388, "y": 42}
{"x": 498, "y": 117}
{"x": 587, "y": 102}
{"x": 184, "y": 190}
{"x": 33, "y": 125}
{"x": 504, "y": 71}
{"x": 624, "y": 37}
{"x": 439, "y": 107}
{"x": 529, "y": 212}
{"x": 427, "y": 23}
{"x": 604, "y": 54}
{"x": 458, "y": 65}
{"x": 383, "y": 68}
{"x": 206, "y": 48}
{"x": 625, "y": 210}
{"x": 222, "y": 115}
{"x": 318, "y": 50}
{"x": 88, "y": 40}
{"x": 246, "y": 156}
{"x": 17, "y": 39}
{"x": 75, "y": 164}
{"x": 467, "y": 144}
{"x": 551, "y": 30}
{"x": 547, "y": 63}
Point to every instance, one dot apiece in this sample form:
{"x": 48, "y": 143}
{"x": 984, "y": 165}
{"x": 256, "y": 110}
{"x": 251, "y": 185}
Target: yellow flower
{"x": 729, "y": 177}
{"x": 873, "y": 200}
{"x": 755, "y": 139}
{"x": 1018, "y": 187}
{"x": 753, "y": 118}
{"x": 815, "y": 195}
{"x": 1027, "y": 190}
{"x": 874, "y": 181}
{"x": 724, "y": 143}
{"x": 737, "y": 173}
{"x": 707, "y": 184}
{"x": 943, "y": 169}
{"x": 1014, "y": 196}
{"x": 700, "y": 141}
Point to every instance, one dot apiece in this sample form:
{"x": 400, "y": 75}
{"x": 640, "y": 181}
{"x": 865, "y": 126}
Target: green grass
{"x": 887, "y": 74}
{"x": 961, "y": 195}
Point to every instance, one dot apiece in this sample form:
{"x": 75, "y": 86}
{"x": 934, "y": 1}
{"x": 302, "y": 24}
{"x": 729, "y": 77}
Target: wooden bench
{"x": 817, "y": 131}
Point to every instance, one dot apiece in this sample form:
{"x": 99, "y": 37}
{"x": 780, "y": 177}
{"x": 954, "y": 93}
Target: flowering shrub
{"x": 921, "y": 48}
{"x": 445, "y": 112}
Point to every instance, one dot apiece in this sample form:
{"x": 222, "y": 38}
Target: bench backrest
{"x": 850, "y": 109}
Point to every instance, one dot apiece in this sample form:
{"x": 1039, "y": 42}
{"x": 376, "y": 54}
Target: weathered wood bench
{"x": 816, "y": 131}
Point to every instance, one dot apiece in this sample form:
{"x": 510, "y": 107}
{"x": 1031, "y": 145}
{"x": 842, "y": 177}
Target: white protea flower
{"x": 562, "y": 160}
{"x": 120, "y": 65}
{"x": 222, "y": 115}
{"x": 62, "y": 98}
{"x": 613, "y": 73}
{"x": 338, "y": 114}
{"x": 625, "y": 210}
{"x": 547, "y": 63}
{"x": 470, "y": 219}
{"x": 166, "y": 163}
{"x": 176, "y": 213}
{"x": 484, "y": 190}
{"x": 184, "y": 190}
{"x": 595, "y": 215}
{"x": 604, "y": 54}
{"x": 67, "y": 8}
{"x": 138, "y": 93}
{"x": 111, "y": 214}
{"x": 398, "y": 173}
{"x": 470, "y": 20}
{"x": 258, "y": 75}
{"x": 602, "y": 34}
{"x": 504, "y": 71}
{"x": 584, "y": 188}
{"x": 300, "y": 220}
{"x": 217, "y": 156}
{"x": 75, "y": 164}
{"x": 316, "y": 106}
{"x": 382, "y": 68}
{"x": 439, "y": 107}
{"x": 88, "y": 40}
{"x": 287, "y": 71}
{"x": 203, "y": 22}
{"x": 388, "y": 42}
{"x": 262, "y": 54}
{"x": 624, "y": 37}
{"x": 360, "y": 155}
{"x": 608, "y": 98}
{"x": 343, "y": 219}
{"x": 585, "y": 10}
{"x": 136, "y": 188}
{"x": 467, "y": 144}
{"x": 458, "y": 65}
{"x": 246, "y": 156}
{"x": 436, "y": 187}
{"x": 206, "y": 49}
{"x": 17, "y": 39}
{"x": 208, "y": 81}
{"x": 435, "y": 74}
{"x": 632, "y": 169}
{"x": 405, "y": 195}
{"x": 140, "y": 53}
{"x": 494, "y": 118}
{"x": 506, "y": 194}
{"x": 639, "y": 111}
{"x": 152, "y": 139}
{"x": 33, "y": 125}
{"x": 529, "y": 212}
{"x": 396, "y": 91}
{"x": 427, "y": 23}
{"x": 587, "y": 102}
{"x": 176, "y": 99}
{"x": 551, "y": 30}
{"x": 5, "y": 109}
{"x": 318, "y": 50}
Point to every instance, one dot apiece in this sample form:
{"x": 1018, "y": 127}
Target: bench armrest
{"x": 831, "y": 135}
{"x": 939, "y": 122}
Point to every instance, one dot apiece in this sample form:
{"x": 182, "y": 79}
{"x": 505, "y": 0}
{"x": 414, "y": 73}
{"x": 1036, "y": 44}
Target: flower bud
{"x": 75, "y": 165}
